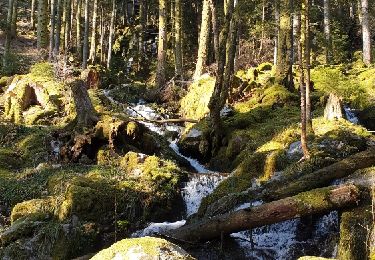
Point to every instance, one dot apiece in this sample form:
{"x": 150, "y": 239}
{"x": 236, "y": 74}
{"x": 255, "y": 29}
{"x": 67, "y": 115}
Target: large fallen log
{"x": 324, "y": 176}
{"x": 292, "y": 185}
{"x": 307, "y": 203}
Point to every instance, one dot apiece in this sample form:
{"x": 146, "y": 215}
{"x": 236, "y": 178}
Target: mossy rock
{"x": 38, "y": 208}
{"x": 146, "y": 248}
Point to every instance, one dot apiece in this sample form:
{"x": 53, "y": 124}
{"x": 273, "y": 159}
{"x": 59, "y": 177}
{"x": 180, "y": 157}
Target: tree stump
{"x": 334, "y": 108}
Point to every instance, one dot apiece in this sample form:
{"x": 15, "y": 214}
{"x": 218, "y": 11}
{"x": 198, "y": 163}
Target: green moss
{"x": 265, "y": 66}
{"x": 147, "y": 247}
{"x": 44, "y": 208}
{"x": 195, "y": 104}
{"x": 43, "y": 71}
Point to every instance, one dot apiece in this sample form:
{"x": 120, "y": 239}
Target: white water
{"x": 350, "y": 115}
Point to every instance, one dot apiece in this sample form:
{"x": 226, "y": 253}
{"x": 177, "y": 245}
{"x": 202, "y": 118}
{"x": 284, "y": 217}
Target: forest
{"x": 187, "y": 129}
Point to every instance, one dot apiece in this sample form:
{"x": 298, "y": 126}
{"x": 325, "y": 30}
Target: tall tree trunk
{"x": 68, "y": 25}
{"x": 316, "y": 201}
{"x": 143, "y": 24}
{"x": 78, "y": 30}
{"x": 102, "y": 34}
{"x": 58, "y": 28}
{"x": 277, "y": 29}
{"x": 284, "y": 48}
{"x": 203, "y": 40}
{"x": 111, "y": 34}
{"x": 86, "y": 36}
{"x": 307, "y": 58}
{"x": 215, "y": 29}
{"x": 8, "y": 35}
{"x": 327, "y": 31}
{"x": 92, "y": 56}
{"x": 162, "y": 45}
{"x": 366, "y": 35}
{"x": 178, "y": 39}
{"x": 32, "y": 14}
{"x": 13, "y": 30}
{"x": 262, "y": 28}
{"x": 220, "y": 94}
{"x": 301, "y": 50}
{"x": 52, "y": 30}
{"x": 42, "y": 33}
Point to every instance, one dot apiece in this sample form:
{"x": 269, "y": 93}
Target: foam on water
{"x": 160, "y": 228}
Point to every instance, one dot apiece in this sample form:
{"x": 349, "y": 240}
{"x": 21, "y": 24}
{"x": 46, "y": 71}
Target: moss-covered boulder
{"x": 146, "y": 248}
{"x": 367, "y": 117}
{"x": 38, "y": 208}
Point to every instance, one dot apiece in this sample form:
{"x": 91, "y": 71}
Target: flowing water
{"x": 277, "y": 241}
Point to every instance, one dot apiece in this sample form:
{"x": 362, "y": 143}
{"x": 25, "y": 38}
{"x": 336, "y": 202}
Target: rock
{"x": 38, "y": 208}
{"x": 367, "y": 117}
{"x": 193, "y": 144}
{"x": 146, "y": 248}
{"x": 295, "y": 150}
{"x": 20, "y": 228}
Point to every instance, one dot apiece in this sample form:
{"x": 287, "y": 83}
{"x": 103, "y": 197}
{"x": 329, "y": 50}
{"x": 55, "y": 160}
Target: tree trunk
{"x": 307, "y": 4}
{"x": 68, "y": 25}
{"x": 102, "y": 33}
{"x": 178, "y": 39}
{"x": 277, "y": 31}
{"x": 366, "y": 33}
{"x": 162, "y": 45}
{"x": 92, "y": 56}
{"x": 8, "y": 35}
{"x": 283, "y": 72}
{"x": 86, "y": 36}
{"x": 220, "y": 94}
{"x": 334, "y": 108}
{"x": 262, "y": 28}
{"x": 301, "y": 55}
{"x": 316, "y": 201}
{"x": 111, "y": 34}
{"x": 323, "y": 177}
{"x": 143, "y": 25}
{"x": 13, "y": 29}
{"x": 78, "y": 31}
{"x": 42, "y": 33}
{"x": 203, "y": 40}
{"x": 58, "y": 28}
{"x": 327, "y": 31}
{"x": 215, "y": 29}
{"x": 32, "y": 14}
{"x": 291, "y": 185}
{"x": 86, "y": 114}
{"x": 52, "y": 30}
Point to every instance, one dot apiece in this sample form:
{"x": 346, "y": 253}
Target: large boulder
{"x": 367, "y": 117}
{"x": 146, "y": 248}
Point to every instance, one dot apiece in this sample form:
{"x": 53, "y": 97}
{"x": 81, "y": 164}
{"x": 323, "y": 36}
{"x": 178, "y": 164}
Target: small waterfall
{"x": 350, "y": 115}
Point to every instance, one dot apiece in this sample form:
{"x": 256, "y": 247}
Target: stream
{"x": 285, "y": 240}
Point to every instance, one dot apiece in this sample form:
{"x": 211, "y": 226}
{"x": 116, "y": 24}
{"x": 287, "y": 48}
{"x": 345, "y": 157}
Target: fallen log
{"x": 292, "y": 185}
{"x": 324, "y": 176}
{"x": 165, "y": 121}
{"x": 307, "y": 203}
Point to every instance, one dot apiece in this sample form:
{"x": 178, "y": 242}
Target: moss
{"x": 278, "y": 95}
{"x": 265, "y": 66}
{"x": 146, "y": 247}
{"x": 43, "y": 71}
{"x": 195, "y": 104}
{"x": 354, "y": 228}
{"x": 44, "y": 208}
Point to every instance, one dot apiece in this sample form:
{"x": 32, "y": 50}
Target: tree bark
{"x": 277, "y": 29}
{"x": 86, "y": 114}
{"x": 203, "y": 40}
{"x": 92, "y": 56}
{"x": 32, "y": 14}
{"x": 316, "y": 201}
{"x": 162, "y": 45}
{"x": 58, "y": 28}
{"x": 215, "y": 29}
{"x": 78, "y": 30}
{"x": 42, "y": 33}
{"x": 178, "y": 39}
{"x": 86, "y": 36}
{"x": 52, "y": 30}
{"x": 334, "y": 108}
{"x": 8, "y": 34}
{"x": 220, "y": 94}
{"x": 111, "y": 34}
{"x": 366, "y": 33}
{"x": 327, "y": 31}
{"x": 284, "y": 48}
{"x": 307, "y": 4}
{"x": 68, "y": 25}
{"x": 13, "y": 29}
